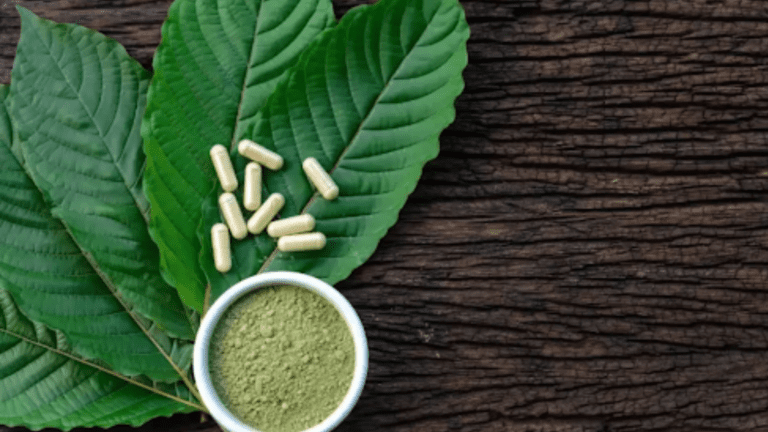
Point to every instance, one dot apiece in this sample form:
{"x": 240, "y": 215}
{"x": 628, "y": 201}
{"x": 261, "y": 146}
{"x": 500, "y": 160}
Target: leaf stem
{"x": 206, "y": 300}
{"x": 190, "y": 313}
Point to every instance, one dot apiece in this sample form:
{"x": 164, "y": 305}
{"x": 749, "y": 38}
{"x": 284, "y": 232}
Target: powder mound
{"x": 282, "y": 359}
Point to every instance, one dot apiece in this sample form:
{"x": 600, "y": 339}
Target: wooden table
{"x": 589, "y": 250}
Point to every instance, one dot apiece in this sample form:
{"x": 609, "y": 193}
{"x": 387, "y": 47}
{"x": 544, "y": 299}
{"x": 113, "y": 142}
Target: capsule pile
{"x": 292, "y": 234}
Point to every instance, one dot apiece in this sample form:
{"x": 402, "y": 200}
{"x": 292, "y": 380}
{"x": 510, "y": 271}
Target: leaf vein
{"x": 91, "y": 116}
{"x": 312, "y": 199}
{"x": 101, "y": 369}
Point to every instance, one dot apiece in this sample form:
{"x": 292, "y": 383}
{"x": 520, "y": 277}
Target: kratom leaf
{"x": 368, "y": 99}
{"x": 77, "y": 103}
{"x": 44, "y": 384}
{"x": 53, "y": 282}
{"x": 217, "y": 64}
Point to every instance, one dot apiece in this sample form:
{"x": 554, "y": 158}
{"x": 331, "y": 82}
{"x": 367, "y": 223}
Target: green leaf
{"x": 368, "y": 99}
{"x": 217, "y": 64}
{"x": 53, "y": 282}
{"x": 77, "y": 104}
{"x": 44, "y": 384}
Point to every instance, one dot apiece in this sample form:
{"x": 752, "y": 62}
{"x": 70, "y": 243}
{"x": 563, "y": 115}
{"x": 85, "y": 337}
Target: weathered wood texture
{"x": 589, "y": 252}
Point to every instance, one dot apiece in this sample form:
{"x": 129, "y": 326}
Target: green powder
{"x": 282, "y": 359}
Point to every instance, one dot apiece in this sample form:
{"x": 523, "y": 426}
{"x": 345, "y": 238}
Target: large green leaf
{"x": 217, "y": 64}
{"x": 44, "y": 384}
{"x": 53, "y": 282}
{"x": 77, "y": 104}
{"x": 368, "y": 99}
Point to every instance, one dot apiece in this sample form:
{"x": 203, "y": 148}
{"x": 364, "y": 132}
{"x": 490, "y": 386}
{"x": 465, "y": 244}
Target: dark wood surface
{"x": 589, "y": 252}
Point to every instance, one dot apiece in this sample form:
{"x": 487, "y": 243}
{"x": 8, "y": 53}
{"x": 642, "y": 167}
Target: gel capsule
{"x": 222, "y": 257}
{"x": 265, "y": 213}
{"x": 264, "y": 156}
{"x": 301, "y": 242}
{"x": 223, "y": 166}
{"x": 252, "y": 192}
{"x": 291, "y": 225}
{"x": 320, "y": 179}
{"x": 232, "y": 215}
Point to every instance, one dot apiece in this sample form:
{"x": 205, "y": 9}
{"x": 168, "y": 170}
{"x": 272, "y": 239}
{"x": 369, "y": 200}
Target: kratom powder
{"x": 282, "y": 359}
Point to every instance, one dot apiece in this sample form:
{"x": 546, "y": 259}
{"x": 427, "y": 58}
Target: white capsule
{"x": 232, "y": 215}
{"x": 301, "y": 242}
{"x": 320, "y": 179}
{"x": 264, "y": 156}
{"x": 223, "y": 166}
{"x": 291, "y": 225}
{"x": 265, "y": 213}
{"x": 252, "y": 192}
{"x": 222, "y": 257}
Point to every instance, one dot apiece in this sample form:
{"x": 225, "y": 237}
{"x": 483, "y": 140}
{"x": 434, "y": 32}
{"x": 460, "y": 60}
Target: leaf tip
{"x": 25, "y": 13}
{"x": 28, "y": 19}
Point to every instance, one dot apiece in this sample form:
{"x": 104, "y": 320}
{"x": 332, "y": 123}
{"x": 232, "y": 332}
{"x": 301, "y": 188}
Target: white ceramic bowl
{"x": 220, "y": 413}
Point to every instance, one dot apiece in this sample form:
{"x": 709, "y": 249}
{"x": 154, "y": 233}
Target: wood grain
{"x": 589, "y": 251}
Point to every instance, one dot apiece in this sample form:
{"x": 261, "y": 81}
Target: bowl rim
{"x": 211, "y": 400}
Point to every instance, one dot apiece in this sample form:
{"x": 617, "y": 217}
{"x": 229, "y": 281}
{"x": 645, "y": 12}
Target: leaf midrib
{"x": 102, "y": 369}
{"x": 355, "y": 136}
{"x": 243, "y": 88}
{"x": 207, "y": 294}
